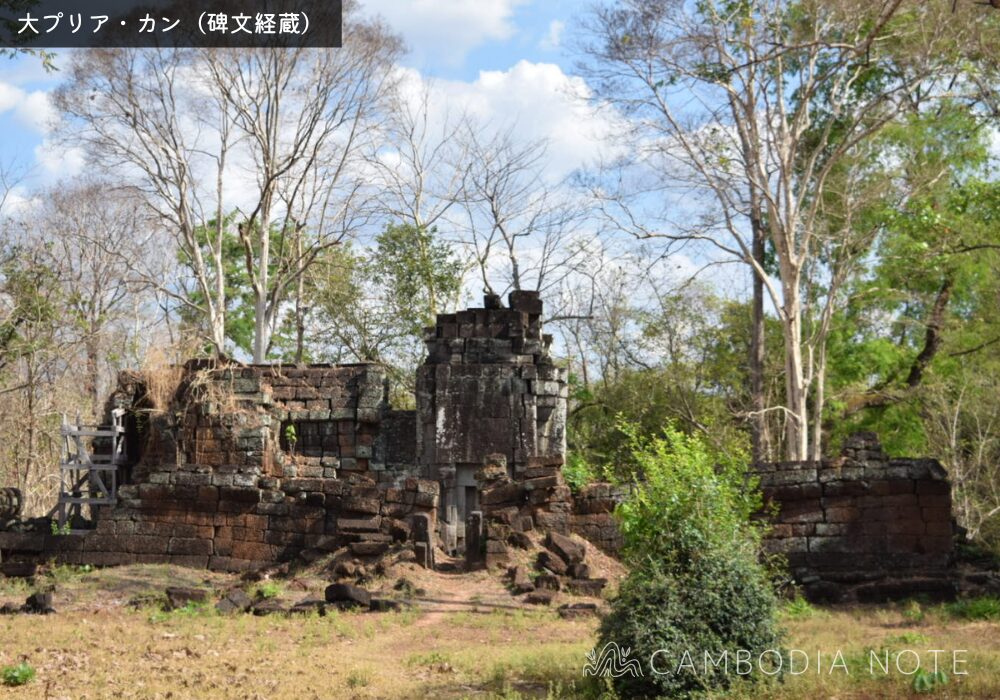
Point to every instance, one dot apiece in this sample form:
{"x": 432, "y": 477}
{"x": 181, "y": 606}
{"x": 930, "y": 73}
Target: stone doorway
{"x": 461, "y": 499}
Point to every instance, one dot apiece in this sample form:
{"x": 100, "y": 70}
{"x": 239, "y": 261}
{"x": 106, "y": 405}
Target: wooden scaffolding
{"x": 89, "y": 469}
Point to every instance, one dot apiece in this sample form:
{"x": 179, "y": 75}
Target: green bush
{"x": 578, "y": 472}
{"x": 985, "y": 608}
{"x": 696, "y": 585}
{"x": 21, "y": 674}
{"x": 686, "y": 498}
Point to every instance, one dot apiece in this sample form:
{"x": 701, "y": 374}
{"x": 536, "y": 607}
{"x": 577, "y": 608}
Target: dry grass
{"x": 468, "y": 638}
{"x": 162, "y": 375}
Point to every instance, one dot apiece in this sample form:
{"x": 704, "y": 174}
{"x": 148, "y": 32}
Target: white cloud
{"x": 32, "y": 109}
{"x": 10, "y": 96}
{"x": 59, "y": 162}
{"x": 18, "y": 202}
{"x": 36, "y": 112}
{"x": 553, "y": 40}
{"x": 446, "y": 30}
{"x": 540, "y": 102}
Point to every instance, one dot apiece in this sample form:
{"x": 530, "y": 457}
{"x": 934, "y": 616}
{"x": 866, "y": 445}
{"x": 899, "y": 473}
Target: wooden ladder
{"x": 86, "y": 477}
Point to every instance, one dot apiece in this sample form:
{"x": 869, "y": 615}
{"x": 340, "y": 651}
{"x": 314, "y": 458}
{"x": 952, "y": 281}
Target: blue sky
{"x": 504, "y": 59}
{"x": 456, "y": 39}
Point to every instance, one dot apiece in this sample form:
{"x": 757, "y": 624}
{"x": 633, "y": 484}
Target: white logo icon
{"x": 612, "y": 662}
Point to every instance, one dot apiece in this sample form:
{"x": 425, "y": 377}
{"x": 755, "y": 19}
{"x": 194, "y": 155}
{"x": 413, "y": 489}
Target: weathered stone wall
{"x": 490, "y": 387}
{"x": 220, "y": 485}
{"x": 862, "y": 527}
{"x": 592, "y": 516}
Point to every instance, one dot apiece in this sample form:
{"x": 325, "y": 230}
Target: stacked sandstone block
{"x": 245, "y": 527}
{"x": 513, "y": 506}
{"x": 863, "y": 526}
{"x": 593, "y": 517}
{"x": 489, "y": 386}
{"x": 221, "y": 487}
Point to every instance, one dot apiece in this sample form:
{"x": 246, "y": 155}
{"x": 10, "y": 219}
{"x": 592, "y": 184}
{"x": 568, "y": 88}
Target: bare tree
{"x": 140, "y": 119}
{"x": 277, "y": 133}
{"x": 97, "y": 292}
{"x": 421, "y": 169}
{"x": 304, "y": 118}
{"x": 520, "y": 225}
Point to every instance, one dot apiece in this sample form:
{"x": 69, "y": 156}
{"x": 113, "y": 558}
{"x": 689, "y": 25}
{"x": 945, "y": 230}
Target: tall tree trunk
{"x": 300, "y": 311}
{"x": 796, "y": 393}
{"x": 819, "y": 401}
{"x": 93, "y": 374}
{"x": 218, "y": 310}
{"x": 759, "y": 438}
{"x": 29, "y": 461}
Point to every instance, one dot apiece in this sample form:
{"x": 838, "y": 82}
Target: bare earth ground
{"x": 465, "y": 637}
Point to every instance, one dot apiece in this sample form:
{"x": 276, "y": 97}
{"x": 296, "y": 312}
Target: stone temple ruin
{"x": 253, "y": 465}
{"x": 249, "y": 466}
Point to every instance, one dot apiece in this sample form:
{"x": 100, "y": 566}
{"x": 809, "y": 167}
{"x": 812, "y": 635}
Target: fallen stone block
{"x": 520, "y": 581}
{"x": 178, "y": 597}
{"x": 38, "y": 604}
{"x": 519, "y": 540}
{"x": 386, "y": 605}
{"x": 540, "y": 597}
{"x": 552, "y": 563}
{"x": 18, "y": 569}
{"x": 369, "y": 549}
{"x": 574, "y": 610}
{"x": 234, "y": 601}
{"x": 548, "y": 582}
{"x": 570, "y": 551}
{"x": 309, "y": 606}
{"x": 346, "y": 596}
{"x": 268, "y": 607}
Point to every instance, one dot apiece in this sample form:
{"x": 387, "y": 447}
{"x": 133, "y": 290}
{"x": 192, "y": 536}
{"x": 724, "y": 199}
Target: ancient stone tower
{"x": 488, "y": 386}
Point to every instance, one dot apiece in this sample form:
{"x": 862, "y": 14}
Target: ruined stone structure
{"x": 252, "y": 465}
{"x": 863, "y": 527}
{"x": 247, "y": 466}
{"x": 489, "y": 387}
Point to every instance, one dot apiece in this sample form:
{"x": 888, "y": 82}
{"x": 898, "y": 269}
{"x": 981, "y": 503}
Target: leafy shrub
{"x": 686, "y": 499}
{"x": 696, "y": 584}
{"x": 578, "y": 472}
{"x": 986, "y": 608}
{"x": 907, "y": 639}
{"x": 268, "y": 590}
{"x": 21, "y": 674}
{"x": 913, "y": 611}
{"x": 925, "y": 681}
{"x": 798, "y": 609}
{"x": 56, "y": 529}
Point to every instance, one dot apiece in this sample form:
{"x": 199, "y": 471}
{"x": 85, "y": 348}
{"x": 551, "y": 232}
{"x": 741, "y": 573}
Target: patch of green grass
{"x": 913, "y": 611}
{"x": 269, "y": 589}
{"x": 15, "y": 586}
{"x": 434, "y": 658}
{"x": 190, "y": 610}
{"x": 986, "y": 608}
{"x": 21, "y": 674}
{"x": 799, "y": 609}
{"x": 541, "y": 666}
{"x": 906, "y": 639}
{"x": 925, "y": 681}
{"x": 359, "y": 678}
{"x": 61, "y": 574}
